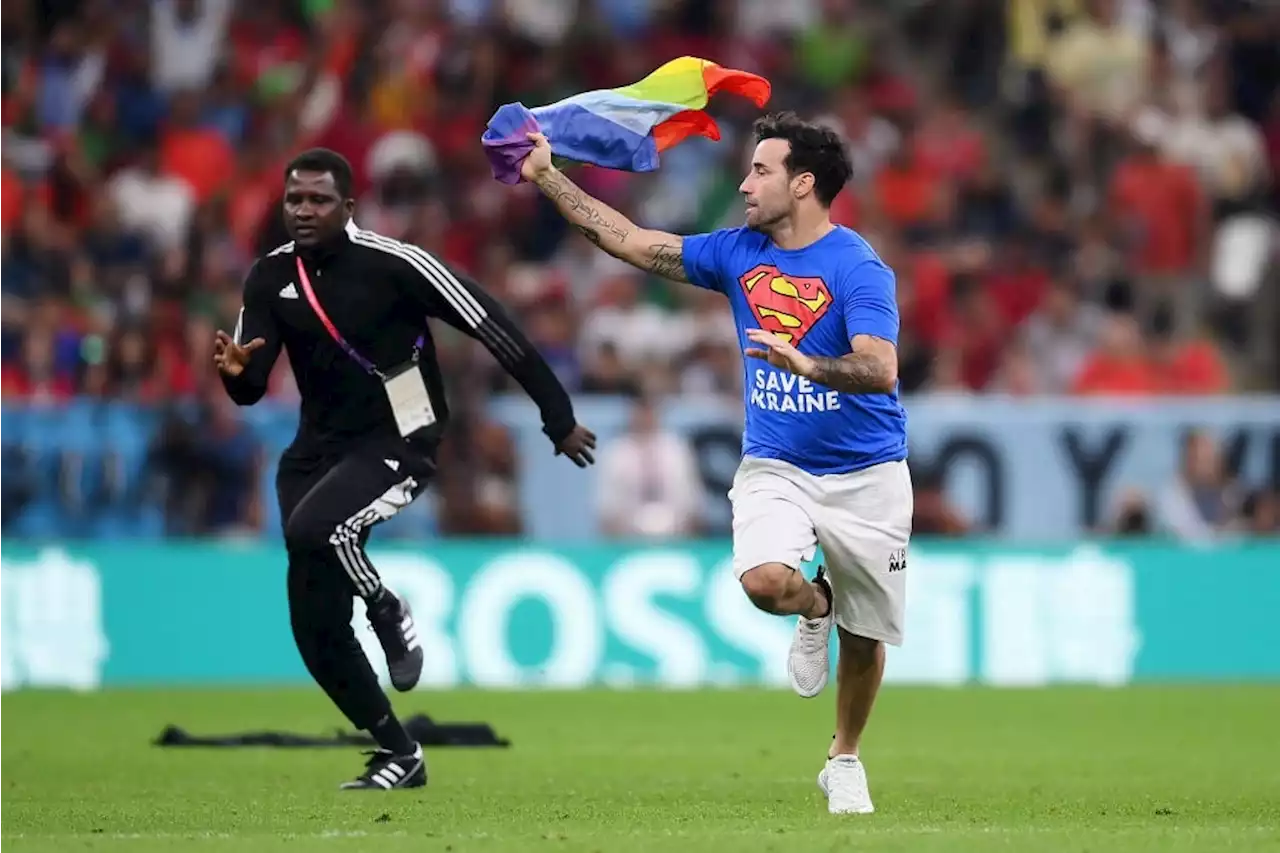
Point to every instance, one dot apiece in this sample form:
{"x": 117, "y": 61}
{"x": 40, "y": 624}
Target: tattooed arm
{"x": 654, "y": 251}
{"x": 872, "y": 368}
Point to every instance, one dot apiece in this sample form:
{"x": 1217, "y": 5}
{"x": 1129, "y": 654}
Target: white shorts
{"x": 861, "y": 519}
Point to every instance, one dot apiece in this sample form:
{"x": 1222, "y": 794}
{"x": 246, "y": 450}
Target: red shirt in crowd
{"x": 976, "y": 328}
{"x": 200, "y": 156}
{"x": 15, "y": 383}
{"x": 18, "y": 196}
{"x": 1157, "y": 204}
{"x": 1017, "y": 292}
{"x": 1194, "y": 368}
{"x": 956, "y": 152}
{"x": 930, "y": 313}
{"x": 1104, "y": 375}
{"x": 906, "y": 192}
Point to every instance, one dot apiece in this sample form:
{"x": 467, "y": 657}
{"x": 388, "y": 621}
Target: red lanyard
{"x": 305, "y": 281}
{"x": 369, "y": 366}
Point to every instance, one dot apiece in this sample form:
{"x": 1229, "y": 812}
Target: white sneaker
{"x": 844, "y": 781}
{"x": 809, "y": 661}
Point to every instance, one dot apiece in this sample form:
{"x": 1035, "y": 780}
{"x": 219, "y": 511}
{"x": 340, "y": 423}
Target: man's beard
{"x": 766, "y": 224}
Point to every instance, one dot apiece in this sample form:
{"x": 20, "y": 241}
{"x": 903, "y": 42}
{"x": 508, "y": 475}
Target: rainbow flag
{"x": 624, "y": 128}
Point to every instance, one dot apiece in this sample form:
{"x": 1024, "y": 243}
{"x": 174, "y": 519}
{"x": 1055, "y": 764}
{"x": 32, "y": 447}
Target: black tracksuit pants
{"x": 328, "y": 504}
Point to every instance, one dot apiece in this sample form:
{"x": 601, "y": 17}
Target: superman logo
{"x": 788, "y": 306}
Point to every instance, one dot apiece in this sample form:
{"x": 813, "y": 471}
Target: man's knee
{"x": 306, "y": 534}
{"x": 767, "y": 585}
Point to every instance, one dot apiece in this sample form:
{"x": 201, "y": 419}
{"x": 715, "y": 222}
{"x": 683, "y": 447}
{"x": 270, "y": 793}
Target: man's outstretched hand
{"x": 578, "y": 445}
{"x": 230, "y": 357}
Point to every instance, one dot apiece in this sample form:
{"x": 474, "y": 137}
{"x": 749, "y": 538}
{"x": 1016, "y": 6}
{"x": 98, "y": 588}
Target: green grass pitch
{"x": 1139, "y": 769}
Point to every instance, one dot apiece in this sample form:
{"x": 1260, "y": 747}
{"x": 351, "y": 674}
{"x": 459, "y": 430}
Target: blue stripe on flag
{"x": 580, "y": 134}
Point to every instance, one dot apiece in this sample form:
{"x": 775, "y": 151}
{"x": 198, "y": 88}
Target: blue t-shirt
{"x": 821, "y": 296}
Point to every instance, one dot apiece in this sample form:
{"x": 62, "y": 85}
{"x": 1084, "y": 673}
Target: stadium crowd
{"x": 1077, "y": 197}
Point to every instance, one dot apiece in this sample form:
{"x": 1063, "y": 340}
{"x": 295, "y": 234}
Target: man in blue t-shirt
{"x": 824, "y": 449}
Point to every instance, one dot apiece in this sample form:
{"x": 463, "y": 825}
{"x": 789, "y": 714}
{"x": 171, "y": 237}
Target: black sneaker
{"x": 385, "y": 770}
{"x": 392, "y": 621}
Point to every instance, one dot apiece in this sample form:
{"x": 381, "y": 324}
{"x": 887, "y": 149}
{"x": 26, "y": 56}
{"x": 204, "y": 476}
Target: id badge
{"x": 409, "y": 399}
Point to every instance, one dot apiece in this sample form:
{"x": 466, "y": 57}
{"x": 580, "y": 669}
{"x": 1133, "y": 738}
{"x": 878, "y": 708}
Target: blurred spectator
{"x": 764, "y": 17}
{"x": 209, "y": 465}
{"x": 1182, "y": 365}
{"x": 1017, "y": 375}
{"x": 606, "y": 373}
{"x": 1096, "y": 260}
{"x": 584, "y": 267}
{"x": 477, "y": 479}
{"x": 1226, "y": 149}
{"x": 987, "y": 208}
{"x": 1120, "y": 364}
{"x": 934, "y": 515}
{"x": 640, "y": 331}
{"x": 947, "y": 376}
{"x": 1061, "y": 335}
{"x": 115, "y": 250}
{"x": 871, "y": 139}
{"x": 1260, "y": 512}
{"x": 1190, "y": 37}
{"x": 1133, "y": 516}
{"x": 1015, "y": 279}
{"x": 186, "y": 41}
{"x": 18, "y": 486}
{"x": 908, "y": 192}
{"x": 709, "y": 360}
{"x": 36, "y": 377}
{"x": 496, "y": 512}
{"x": 70, "y": 70}
{"x": 1158, "y": 209}
{"x": 551, "y": 328}
{"x": 948, "y": 144}
{"x": 155, "y": 203}
{"x": 192, "y": 151}
{"x": 978, "y": 333}
{"x": 1201, "y": 503}
{"x": 131, "y": 367}
{"x": 1099, "y": 62}
{"x": 834, "y": 49}
{"x": 649, "y": 483}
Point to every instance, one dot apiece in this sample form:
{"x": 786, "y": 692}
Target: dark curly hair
{"x": 815, "y": 148}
